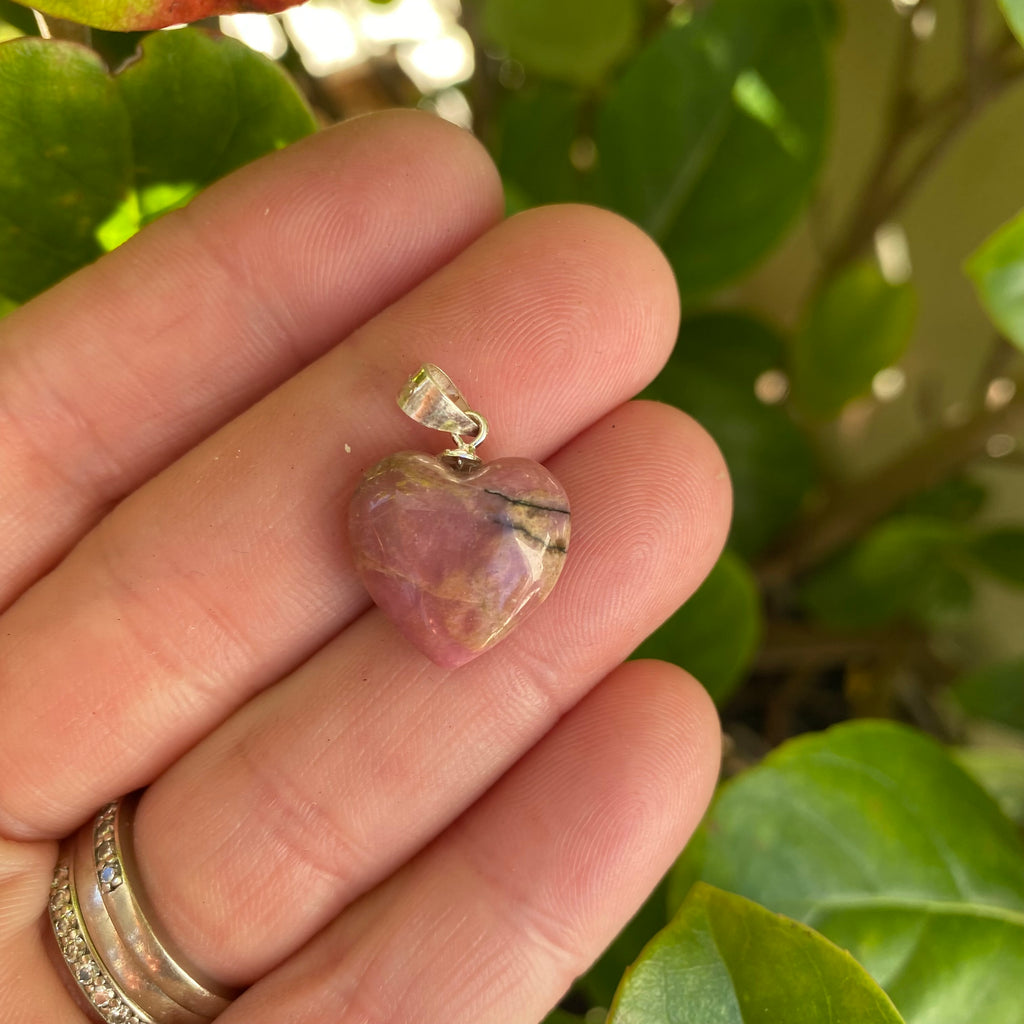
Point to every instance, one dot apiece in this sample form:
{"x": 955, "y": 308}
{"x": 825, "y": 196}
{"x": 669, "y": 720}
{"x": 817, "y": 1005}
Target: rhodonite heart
{"x": 453, "y": 554}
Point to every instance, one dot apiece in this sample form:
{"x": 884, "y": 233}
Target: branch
{"x": 795, "y": 646}
{"x": 858, "y": 506}
{"x": 974, "y": 65}
{"x": 899, "y": 123}
{"x": 986, "y": 76}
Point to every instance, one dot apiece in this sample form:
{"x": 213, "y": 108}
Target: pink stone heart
{"x": 455, "y": 556}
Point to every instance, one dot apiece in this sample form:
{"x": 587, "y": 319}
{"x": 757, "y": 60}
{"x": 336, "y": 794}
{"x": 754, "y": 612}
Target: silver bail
{"x": 429, "y": 397}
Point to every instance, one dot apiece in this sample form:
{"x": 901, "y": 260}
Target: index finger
{"x": 111, "y": 375}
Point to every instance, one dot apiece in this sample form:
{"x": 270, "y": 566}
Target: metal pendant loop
{"x": 429, "y": 397}
{"x": 479, "y": 435}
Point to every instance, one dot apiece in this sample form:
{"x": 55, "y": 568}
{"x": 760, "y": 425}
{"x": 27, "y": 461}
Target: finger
{"x": 113, "y": 373}
{"x": 330, "y": 780}
{"x": 26, "y": 964}
{"x": 231, "y": 568}
{"x": 493, "y": 921}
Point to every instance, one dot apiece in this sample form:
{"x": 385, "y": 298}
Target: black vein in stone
{"x": 526, "y": 504}
{"x": 543, "y": 541}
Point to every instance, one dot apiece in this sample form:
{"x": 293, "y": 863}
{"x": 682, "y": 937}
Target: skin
{"x": 355, "y": 833}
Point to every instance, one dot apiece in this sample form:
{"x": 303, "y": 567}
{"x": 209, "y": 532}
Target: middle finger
{"x": 231, "y": 568}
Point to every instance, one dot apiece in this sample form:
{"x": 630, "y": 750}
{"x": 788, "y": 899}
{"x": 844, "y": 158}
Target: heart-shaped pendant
{"x": 453, "y": 550}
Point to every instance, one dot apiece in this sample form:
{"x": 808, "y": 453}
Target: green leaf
{"x": 573, "y": 40}
{"x": 200, "y": 106}
{"x": 1000, "y": 770}
{"x": 561, "y": 1017}
{"x": 711, "y": 375}
{"x": 958, "y": 499}
{"x": 872, "y": 834}
{"x": 1013, "y": 11}
{"x": 536, "y": 128}
{"x": 997, "y": 269}
{"x": 939, "y": 965}
{"x": 712, "y": 136}
{"x": 995, "y": 692}
{"x": 65, "y": 161}
{"x": 905, "y": 567}
{"x": 86, "y": 157}
{"x": 727, "y": 960}
{"x": 857, "y": 325}
{"x": 135, "y": 15}
{"x": 715, "y": 634}
{"x": 1001, "y": 552}
{"x": 866, "y": 811}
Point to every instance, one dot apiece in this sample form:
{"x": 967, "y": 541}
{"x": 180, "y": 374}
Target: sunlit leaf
{"x": 726, "y": 960}
{"x": 128, "y": 15}
{"x": 86, "y": 157}
{"x": 711, "y": 375}
{"x": 123, "y": 222}
{"x": 715, "y": 634}
{"x": 857, "y": 325}
{"x": 200, "y": 106}
{"x": 995, "y": 692}
{"x": 1000, "y": 770}
{"x": 997, "y": 270}
{"x": 65, "y": 161}
{"x": 712, "y": 136}
{"x": 1013, "y": 11}
{"x": 872, "y": 834}
{"x": 939, "y": 964}
{"x": 572, "y": 40}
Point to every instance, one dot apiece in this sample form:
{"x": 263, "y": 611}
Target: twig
{"x": 853, "y": 509}
{"x": 898, "y": 123}
{"x": 987, "y": 75}
{"x": 974, "y": 65}
{"x": 795, "y": 646}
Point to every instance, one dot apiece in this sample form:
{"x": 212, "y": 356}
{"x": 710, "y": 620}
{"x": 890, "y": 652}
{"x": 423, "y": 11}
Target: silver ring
{"x": 101, "y": 919}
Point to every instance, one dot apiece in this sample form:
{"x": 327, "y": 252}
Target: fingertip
{"x": 419, "y": 135}
{"x": 695, "y": 467}
{"x": 651, "y": 508}
{"x": 635, "y": 272}
{"x": 398, "y": 183}
{"x": 685, "y": 716}
{"x": 391, "y": 146}
{"x": 613, "y": 794}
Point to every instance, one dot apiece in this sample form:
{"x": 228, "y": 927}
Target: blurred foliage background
{"x": 838, "y": 186}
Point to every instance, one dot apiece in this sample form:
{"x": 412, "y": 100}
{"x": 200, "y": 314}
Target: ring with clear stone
{"x": 102, "y": 922}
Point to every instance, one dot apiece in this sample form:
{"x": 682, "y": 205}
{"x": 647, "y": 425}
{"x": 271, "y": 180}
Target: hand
{"x": 332, "y": 820}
